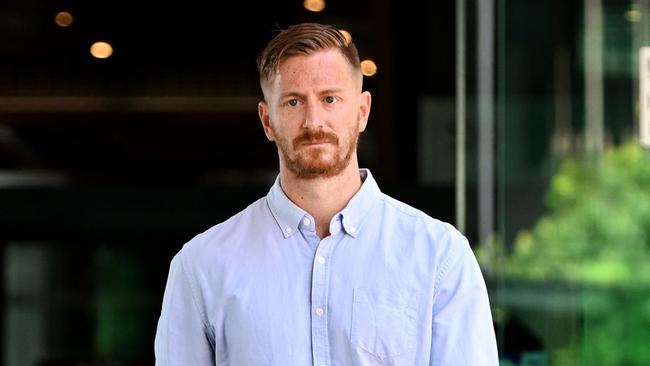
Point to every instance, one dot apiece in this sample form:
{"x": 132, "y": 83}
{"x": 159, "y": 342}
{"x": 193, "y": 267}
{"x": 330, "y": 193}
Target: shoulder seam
{"x": 446, "y": 265}
{"x": 412, "y": 211}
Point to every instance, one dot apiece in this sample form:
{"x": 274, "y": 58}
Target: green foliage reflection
{"x": 595, "y": 236}
{"x": 597, "y": 230}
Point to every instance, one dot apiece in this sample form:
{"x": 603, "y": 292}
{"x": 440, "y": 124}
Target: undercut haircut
{"x": 304, "y": 39}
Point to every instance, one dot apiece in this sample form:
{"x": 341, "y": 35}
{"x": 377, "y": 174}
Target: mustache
{"x": 315, "y": 136}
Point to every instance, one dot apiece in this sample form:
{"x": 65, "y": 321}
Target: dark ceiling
{"x": 177, "y": 99}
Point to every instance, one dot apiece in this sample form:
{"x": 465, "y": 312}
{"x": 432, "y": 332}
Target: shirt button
{"x": 288, "y": 230}
{"x": 321, "y": 260}
{"x": 306, "y": 222}
{"x": 320, "y": 311}
{"x": 353, "y": 229}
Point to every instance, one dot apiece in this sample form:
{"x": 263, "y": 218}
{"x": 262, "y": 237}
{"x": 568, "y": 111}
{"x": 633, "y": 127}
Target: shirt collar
{"x": 360, "y": 204}
{"x": 288, "y": 215}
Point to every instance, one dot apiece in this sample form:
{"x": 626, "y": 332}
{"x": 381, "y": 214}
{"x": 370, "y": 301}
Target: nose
{"x": 313, "y": 116}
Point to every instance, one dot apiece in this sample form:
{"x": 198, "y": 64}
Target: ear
{"x": 263, "y": 111}
{"x": 365, "y": 100}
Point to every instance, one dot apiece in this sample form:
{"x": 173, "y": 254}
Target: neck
{"x": 322, "y": 198}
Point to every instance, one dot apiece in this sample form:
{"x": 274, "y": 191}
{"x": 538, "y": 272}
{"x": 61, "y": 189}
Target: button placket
{"x": 320, "y": 288}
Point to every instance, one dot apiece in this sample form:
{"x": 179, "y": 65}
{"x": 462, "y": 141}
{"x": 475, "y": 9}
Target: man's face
{"x": 314, "y": 110}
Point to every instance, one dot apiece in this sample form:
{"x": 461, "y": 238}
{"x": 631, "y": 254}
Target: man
{"x": 324, "y": 270}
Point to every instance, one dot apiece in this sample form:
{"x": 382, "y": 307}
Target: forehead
{"x": 321, "y": 68}
{"x": 329, "y": 57}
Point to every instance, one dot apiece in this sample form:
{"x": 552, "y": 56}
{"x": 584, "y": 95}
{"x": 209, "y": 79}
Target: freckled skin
{"x": 314, "y": 111}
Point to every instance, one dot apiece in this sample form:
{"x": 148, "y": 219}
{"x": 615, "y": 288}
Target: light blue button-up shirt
{"x": 388, "y": 286}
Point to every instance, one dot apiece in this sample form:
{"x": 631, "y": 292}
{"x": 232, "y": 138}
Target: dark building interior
{"x": 107, "y": 166}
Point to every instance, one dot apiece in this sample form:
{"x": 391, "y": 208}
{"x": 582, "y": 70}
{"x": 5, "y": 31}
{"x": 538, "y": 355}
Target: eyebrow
{"x": 300, "y": 95}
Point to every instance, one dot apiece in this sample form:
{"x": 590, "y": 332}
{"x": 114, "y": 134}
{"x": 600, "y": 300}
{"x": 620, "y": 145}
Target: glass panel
{"x": 80, "y": 304}
{"x": 568, "y": 265}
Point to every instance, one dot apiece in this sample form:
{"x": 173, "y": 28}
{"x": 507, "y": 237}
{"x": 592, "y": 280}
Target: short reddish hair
{"x": 304, "y": 39}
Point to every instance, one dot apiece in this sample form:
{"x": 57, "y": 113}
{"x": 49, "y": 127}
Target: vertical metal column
{"x": 486, "y": 112}
{"x": 593, "y": 55}
{"x": 460, "y": 116}
{"x": 644, "y": 96}
{"x": 641, "y": 42}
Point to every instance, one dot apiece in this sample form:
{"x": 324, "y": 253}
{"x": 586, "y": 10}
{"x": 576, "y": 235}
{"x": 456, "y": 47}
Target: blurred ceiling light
{"x": 347, "y": 35}
{"x": 368, "y": 67}
{"x": 101, "y": 50}
{"x": 314, "y": 5}
{"x": 633, "y": 15}
{"x": 63, "y": 19}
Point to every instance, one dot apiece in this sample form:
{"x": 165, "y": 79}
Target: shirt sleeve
{"x": 183, "y": 337}
{"x": 463, "y": 332}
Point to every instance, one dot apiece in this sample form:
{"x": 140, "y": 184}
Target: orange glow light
{"x": 368, "y": 68}
{"x": 347, "y": 35}
{"x": 314, "y": 5}
{"x": 101, "y": 50}
{"x": 63, "y": 19}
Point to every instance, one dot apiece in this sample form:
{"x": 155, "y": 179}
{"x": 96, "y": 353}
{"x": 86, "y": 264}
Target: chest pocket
{"x": 384, "y": 322}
